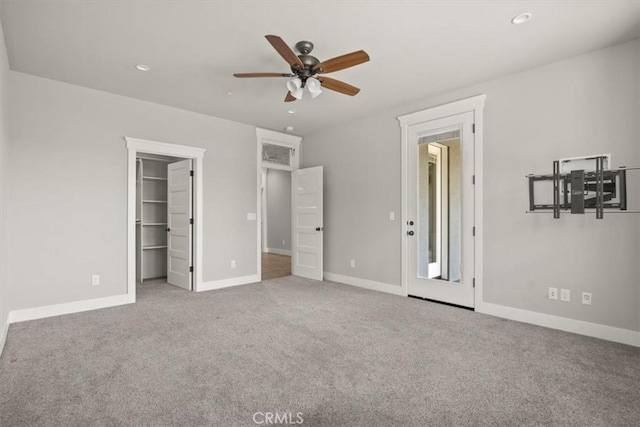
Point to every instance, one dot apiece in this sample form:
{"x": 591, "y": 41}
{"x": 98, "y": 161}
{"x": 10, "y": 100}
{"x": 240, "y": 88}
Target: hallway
{"x": 274, "y": 266}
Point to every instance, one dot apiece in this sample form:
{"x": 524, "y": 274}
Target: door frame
{"x": 135, "y": 146}
{"x": 266, "y": 136}
{"x": 475, "y": 105}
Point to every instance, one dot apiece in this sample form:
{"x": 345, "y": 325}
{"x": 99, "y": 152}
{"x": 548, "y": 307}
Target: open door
{"x": 179, "y": 220}
{"x": 307, "y": 228}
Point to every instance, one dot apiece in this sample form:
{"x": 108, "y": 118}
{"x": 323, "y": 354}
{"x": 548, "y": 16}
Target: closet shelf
{"x": 155, "y": 247}
{"x": 154, "y": 178}
{"x": 154, "y": 201}
{"x": 154, "y": 223}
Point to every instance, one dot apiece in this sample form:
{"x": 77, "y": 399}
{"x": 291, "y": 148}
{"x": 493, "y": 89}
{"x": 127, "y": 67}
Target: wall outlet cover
{"x": 95, "y": 280}
{"x": 565, "y": 295}
{"x": 586, "y": 298}
{"x": 553, "y": 293}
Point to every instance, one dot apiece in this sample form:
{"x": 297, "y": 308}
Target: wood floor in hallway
{"x": 274, "y": 266}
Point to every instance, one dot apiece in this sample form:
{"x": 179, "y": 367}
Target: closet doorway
{"x": 164, "y": 214}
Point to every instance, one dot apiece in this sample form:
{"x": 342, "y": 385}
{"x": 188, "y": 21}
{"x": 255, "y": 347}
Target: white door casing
{"x": 135, "y": 146}
{"x": 307, "y": 222}
{"x": 179, "y": 214}
{"x": 411, "y": 132}
{"x": 265, "y": 136}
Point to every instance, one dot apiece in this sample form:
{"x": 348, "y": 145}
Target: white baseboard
{"x": 4, "y": 330}
{"x": 364, "y": 283}
{"x": 279, "y": 251}
{"x": 226, "y": 283}
{"x": 67, "y": 308}
{"x": 609, "y": 333}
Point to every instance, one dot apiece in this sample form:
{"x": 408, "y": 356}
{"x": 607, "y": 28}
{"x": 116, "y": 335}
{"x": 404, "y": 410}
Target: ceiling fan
{"x": 306, "y": 69}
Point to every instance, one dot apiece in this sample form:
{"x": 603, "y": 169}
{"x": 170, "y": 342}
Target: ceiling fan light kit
{"x": 305, "y": 69}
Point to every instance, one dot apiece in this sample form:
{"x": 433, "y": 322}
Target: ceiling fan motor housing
{"x": 309, "y": 62}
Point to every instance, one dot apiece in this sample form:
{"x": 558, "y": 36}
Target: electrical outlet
{"x": 565, "y": 295}
{"x": 392, "y": 216}
{"x": 553, "y": 293}
{"x": 353, "y": 263}
{"x": 95, "y": 280}
{"x": 586, "y": 298}
{"x": 233, "y": 263}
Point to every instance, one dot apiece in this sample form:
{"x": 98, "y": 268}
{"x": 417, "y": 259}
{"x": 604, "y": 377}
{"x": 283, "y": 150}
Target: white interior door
{"x": 179, "y": 219}
{"x": 425, "y": 211}
{"x": 307, "y": 228}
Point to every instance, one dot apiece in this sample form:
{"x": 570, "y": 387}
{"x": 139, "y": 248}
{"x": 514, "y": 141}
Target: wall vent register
{"x": 277, "y": 154}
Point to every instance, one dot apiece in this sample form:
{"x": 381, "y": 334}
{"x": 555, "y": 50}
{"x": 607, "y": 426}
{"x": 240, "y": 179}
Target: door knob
{"x": 410, "y": 232}
{"x": 319, "y": 228}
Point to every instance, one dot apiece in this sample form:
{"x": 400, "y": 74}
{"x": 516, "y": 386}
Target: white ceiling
{"x": 417, "y": 49}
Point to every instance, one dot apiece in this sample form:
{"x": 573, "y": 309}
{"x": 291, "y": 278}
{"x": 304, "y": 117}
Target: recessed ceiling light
{"x": 291, "y": 111}
{"x": 522, "y": 18}
{"x": 230, "y": 93}
{"x": 289, "y": 128}
{"x": 143, "y": 67}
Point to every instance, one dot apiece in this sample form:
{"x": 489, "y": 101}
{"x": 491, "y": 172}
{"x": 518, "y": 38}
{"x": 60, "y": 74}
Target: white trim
{"x": 135, "y": 145}
{"x": 278, "y": 251}
{"x": 263, "y": 206}
{"x": 366, "y": 284}
{"x": 609, "y": 333}
{"x": 3, "y": 335}
{"x": 67, "y": 308}
{"x": 275, "y": 138}
{"x": 227, "y": 283}
{"x": 474, "y": 104}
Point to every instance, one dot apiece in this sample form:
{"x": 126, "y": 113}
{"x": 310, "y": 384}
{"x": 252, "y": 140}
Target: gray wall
{"x": 278, "y": 209}
{"x": 4, "y": 141}
{"x": 585, "y": 105}
{"x": 68, "y": 189}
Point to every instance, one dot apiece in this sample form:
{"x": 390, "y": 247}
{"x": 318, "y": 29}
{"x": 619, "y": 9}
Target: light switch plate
{"x": 251, "y": 216}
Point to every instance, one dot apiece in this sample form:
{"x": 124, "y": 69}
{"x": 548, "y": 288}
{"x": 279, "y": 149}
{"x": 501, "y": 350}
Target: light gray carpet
{"x": 339, "y": 355}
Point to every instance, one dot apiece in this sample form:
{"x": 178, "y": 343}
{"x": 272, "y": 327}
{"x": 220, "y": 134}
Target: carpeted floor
{"x": 335, "y": 354}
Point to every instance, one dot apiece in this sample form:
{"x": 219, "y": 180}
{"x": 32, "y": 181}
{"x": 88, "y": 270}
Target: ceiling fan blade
{"x": 285, "y": 51}
{"x": 289, "y": 97}
{"x": 262, "y": 75}
{"x": 338, "y": 86}
{"x": 342, "y": 62}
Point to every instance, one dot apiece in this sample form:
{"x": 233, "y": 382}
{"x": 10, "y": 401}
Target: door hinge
{"x": 473, "y": 231}
{"x": 473, "y": 128}
{"x": 191, "y": 221}
{"x": 473, "y": 179}
{"x": 190, "y": 173}
{"x": 191, "y": 270}
{"x": 474, "y": 282}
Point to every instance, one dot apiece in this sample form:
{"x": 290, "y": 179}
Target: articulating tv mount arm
{"x": 579, "y": 190}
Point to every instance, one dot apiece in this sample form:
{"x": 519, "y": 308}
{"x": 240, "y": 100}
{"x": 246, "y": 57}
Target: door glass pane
{"x": 439, "y": 216}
